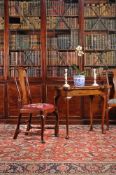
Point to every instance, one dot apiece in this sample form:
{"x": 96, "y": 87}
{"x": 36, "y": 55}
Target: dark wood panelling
{"x": 2, "y": 97}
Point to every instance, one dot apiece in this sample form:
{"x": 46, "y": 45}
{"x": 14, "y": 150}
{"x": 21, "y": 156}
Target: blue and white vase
{"x": 79, "y": 80}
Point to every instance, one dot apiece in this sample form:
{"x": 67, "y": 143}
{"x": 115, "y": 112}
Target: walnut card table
{"x": 91, "y": 92}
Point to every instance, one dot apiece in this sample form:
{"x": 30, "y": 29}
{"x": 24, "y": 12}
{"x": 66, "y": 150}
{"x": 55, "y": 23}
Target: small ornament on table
{"x": 66, "y": 85}
{"x": 95, "y": 77}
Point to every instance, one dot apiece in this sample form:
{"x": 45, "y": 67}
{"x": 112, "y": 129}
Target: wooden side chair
{"x": 29, "y": 109}
{"x": 112, "y": 101}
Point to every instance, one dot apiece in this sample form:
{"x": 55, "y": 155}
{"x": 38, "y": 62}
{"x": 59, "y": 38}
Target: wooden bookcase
{"x": 100, "y": 34}
{"x": 24, "y": 37}
{"x": 42, "y": 35}
{"x": 63, "y": 24}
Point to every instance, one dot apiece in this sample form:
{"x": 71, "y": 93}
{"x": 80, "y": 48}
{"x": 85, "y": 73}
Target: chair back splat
{"x": 29, "y": 109}
{"x": 23, "y": 88}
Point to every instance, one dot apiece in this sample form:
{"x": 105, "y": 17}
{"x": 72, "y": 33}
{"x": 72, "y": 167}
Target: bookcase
{"x": 57, "y": 28}
{"x": 63, "y": 22}
{"x": 24, "y": 36}
{"x": 100, "y": 34}
{"x": 42, "y": 35}
{"x": 91, "y": 24}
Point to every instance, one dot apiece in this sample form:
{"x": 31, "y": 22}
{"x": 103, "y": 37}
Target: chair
{"x": 27, "y": 108}
{"x": 111, "y": 102}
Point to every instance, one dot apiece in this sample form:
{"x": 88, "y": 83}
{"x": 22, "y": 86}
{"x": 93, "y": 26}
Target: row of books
{"x": 1, "y": 71}
{"x": 31, "y": 71}
{"x": 24, "y": 41}
{"x": 64, "y": 41}
{"x": 92, "y": 41}
{"x": 24, "y": 8}
{"x": 62, "y": 58}
{"x": 2, "y": 8}
{"x": 56, "y": 8}
{"x": 60, "y": 8}
{"x": 108, "y": 58}
{"x": 65, "y": 23}
{"x": 102, "y": 24}
{"x": 1, "y": 23}
{"x": 55, "y": 22}
{"x": 55, "y": 58}
{"x": 100, "y": 41}
{"x": 32, "y": 41}
{"x": 56, "y": 71}
{"x": 29, "y": 58}
{"x": 1, "y": 57}
{"x": 92, "y": 58}
{"x": 51, "y": 71}
{"x": 101, "y": 9}
{"x": 31, "y": 23}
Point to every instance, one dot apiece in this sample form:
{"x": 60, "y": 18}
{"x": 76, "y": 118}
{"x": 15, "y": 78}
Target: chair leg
{"x": 29, "y": 123}
{"x": 56, "y": 124}
{"x": 42, "y": 128}
{"x": 107, "y": 119}
{"x": 17, "y": 130}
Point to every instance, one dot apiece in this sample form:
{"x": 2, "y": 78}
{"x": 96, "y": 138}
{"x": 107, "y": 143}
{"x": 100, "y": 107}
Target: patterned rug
{"x": 84, "y": 153}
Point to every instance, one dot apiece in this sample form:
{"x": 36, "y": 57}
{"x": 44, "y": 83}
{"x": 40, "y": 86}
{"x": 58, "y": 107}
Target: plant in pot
{"x": 79, "y": 76}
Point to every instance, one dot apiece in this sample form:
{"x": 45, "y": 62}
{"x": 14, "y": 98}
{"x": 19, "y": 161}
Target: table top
{"x": 82, "y": 91}
{"x": 83, "y": 87}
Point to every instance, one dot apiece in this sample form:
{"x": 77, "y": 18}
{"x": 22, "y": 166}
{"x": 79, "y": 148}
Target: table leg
{"x": 67, "y": 118}
{"x": 91, "y": 113}
{"x": 103, "y": 113}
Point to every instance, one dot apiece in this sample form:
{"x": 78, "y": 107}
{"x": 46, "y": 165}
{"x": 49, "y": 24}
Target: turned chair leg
{"x": 56, "y": 124}
{"x": 17, "y": 130}
{"x": 29, "y": 123}
{"x": 107, "y": 119}
{"x": 42, "y": 128}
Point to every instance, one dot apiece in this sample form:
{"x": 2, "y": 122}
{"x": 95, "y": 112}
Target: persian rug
{"x": 84, "y": 153}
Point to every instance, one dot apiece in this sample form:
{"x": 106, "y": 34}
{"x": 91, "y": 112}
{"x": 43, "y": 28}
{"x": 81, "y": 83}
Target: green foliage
{"x": 77, "y": 71}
